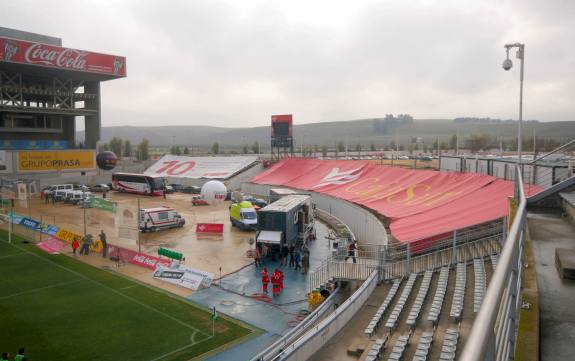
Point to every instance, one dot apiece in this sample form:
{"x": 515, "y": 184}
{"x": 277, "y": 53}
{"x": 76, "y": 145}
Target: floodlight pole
{"x": 521, "y": 56}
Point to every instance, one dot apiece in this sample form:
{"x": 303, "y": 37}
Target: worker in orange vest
{"x": 265, "y": 280}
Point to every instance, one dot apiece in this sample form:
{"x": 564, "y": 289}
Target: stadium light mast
{"x": 507, "y": 65}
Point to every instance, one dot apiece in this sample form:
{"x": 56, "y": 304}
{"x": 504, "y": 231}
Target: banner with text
{"x": 184, "y": 276}
{"x": 199, "y": 167}
{"x": 45, "y": 161}
{"x": 51, "y": 56}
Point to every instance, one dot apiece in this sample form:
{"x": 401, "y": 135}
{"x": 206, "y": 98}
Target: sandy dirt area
{"x": 202, "y": 251}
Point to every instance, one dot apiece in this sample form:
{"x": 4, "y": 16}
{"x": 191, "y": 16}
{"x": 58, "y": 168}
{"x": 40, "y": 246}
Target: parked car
{"x": 177, "y": 187}
{"x": 100, "y": 188}
{"x": 191, "y": 190}
{"x": 256, "y": 201}
{"x": 169, "y": 189}
{"x": 199, "y": 201}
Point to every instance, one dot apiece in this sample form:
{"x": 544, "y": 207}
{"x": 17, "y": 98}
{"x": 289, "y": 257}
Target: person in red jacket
{"x": 276, "y": 283}
{"x": 265, "y": 280}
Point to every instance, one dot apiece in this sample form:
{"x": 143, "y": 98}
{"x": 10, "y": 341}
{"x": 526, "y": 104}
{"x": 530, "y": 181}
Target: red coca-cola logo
{"x": 62, "y": 58}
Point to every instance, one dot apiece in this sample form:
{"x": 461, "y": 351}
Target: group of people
{"x": 277, "y": 280}
{"x": 49, "y": 197}
{"x": 87, "y": 243}
{"x": 19, "y": 357}
{"x": 298, "y": 259}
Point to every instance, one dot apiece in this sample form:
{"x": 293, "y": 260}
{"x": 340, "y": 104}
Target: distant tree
{"x": 104, "y": 147}
{"x": 315, "y": 149}
{"x": 410, "y": 149}
{"x": 340, "y": 146}
{"x": 324, "y": 150}
{"x": 436, "y": 144}
{"x": 358, "y": 147}
{"x": 256, "y": 147}
{"x": 245, "y": 149}
{"x": 453, "y": 142}
{"x": 116, "y": 146}
{"x": 127, "y": 148}
{"x": 478, "y": 141}
{"x": 425, "y": 148}
{"x": 186, "y": 150}
{"x": 401, "y": 147}
{"x": 215, "y": 148}
{"x": 372, "y": 147}
{"x": 143, "y": 149}
{"x": 416, "y": 146}
{"x": 444, "y": 146}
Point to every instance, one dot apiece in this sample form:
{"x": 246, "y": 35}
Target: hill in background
{"x": 363, "y": 131}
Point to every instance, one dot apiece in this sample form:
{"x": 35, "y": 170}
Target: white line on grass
{"x": 182, "y": 348}
{"x": 110, "y": 289}
{"x": 128, "y": 287}
{"x": 40, "y": 289}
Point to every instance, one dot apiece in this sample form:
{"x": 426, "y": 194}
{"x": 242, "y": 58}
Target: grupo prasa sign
{"x": 41, "y": 161}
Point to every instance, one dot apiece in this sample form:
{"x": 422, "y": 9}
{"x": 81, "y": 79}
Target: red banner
{"x": 25, "y": 52}
{"x": 419, "y": 203}
{"x": 147, "y": 261}
{"x": 52, "y": 245}
{"x": 210, "y": 227}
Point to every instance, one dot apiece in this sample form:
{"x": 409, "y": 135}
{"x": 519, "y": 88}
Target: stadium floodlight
{"x": 507, "y": 65}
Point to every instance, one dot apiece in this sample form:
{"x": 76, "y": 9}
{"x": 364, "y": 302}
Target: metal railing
{"x": 493, "y": 332}
{"x": 317, "y": 337}
{"x": 272, "y": 351}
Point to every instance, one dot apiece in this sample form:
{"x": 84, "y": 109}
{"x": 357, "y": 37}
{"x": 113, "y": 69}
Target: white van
{"x": 154, "y": 219}
{"x": 74, "y": 197}
{"x": 59, "y": 190}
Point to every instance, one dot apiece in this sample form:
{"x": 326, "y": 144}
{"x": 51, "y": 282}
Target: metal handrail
{"x": 482, "y": 339}
{"x": 552, "y": 152}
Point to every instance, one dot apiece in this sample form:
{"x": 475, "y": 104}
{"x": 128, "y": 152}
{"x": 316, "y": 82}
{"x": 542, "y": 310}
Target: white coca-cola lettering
{"x": 62, "y": 58}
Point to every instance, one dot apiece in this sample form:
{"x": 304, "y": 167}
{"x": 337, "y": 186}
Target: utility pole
{"x": 138, "y": 227}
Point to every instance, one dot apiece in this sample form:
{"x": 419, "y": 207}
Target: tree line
{"x": 124, "y": 148}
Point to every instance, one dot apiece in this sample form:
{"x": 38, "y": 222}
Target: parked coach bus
{"x": 138, "y": 183}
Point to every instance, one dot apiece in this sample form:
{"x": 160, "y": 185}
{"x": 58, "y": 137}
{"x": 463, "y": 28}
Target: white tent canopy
{"x": 271, "y": 237}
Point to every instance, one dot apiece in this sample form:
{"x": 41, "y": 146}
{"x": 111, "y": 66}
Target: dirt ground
{"x": 202, "y": 251}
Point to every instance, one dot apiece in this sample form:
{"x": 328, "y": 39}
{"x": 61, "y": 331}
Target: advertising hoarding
{"x": 45, "y": 161}
{"x": 50, "y": 56}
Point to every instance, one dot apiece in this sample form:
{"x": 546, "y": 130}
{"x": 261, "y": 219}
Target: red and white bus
{"x": 138, "y": 183}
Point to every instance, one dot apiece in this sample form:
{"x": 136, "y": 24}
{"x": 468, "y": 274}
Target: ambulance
{"x": 155, "y": 219}
{"x": 243, "y": 215}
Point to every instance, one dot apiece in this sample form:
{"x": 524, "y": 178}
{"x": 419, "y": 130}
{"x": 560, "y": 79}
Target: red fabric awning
{"x": 419, "y": 203}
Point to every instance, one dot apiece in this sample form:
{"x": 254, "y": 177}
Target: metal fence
{"x": 272, "y": 352}
{"x": 493, "y": 332}
{"x": 318, "y": 336}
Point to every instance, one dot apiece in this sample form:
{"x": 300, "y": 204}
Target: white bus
{"x": 138, "y": 183}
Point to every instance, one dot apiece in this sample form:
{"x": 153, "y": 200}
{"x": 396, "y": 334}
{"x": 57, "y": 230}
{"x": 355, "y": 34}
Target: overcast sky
{"x": 234, "y": 63}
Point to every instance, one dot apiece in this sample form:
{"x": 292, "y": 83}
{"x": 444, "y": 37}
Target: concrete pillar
{"x": 93, "y": 123}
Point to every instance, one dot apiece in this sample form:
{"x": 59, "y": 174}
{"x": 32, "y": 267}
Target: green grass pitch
{"x": 61, "y": 309}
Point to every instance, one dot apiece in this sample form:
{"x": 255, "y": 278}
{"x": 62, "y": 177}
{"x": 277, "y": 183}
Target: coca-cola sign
{"x": 19, "y": 51}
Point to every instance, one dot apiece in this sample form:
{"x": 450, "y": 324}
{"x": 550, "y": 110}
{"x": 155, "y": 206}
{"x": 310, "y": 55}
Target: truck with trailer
{"x": 155, "y": 219}
{"x": 287, "y": 221}
{"x": 243, "y": 215}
